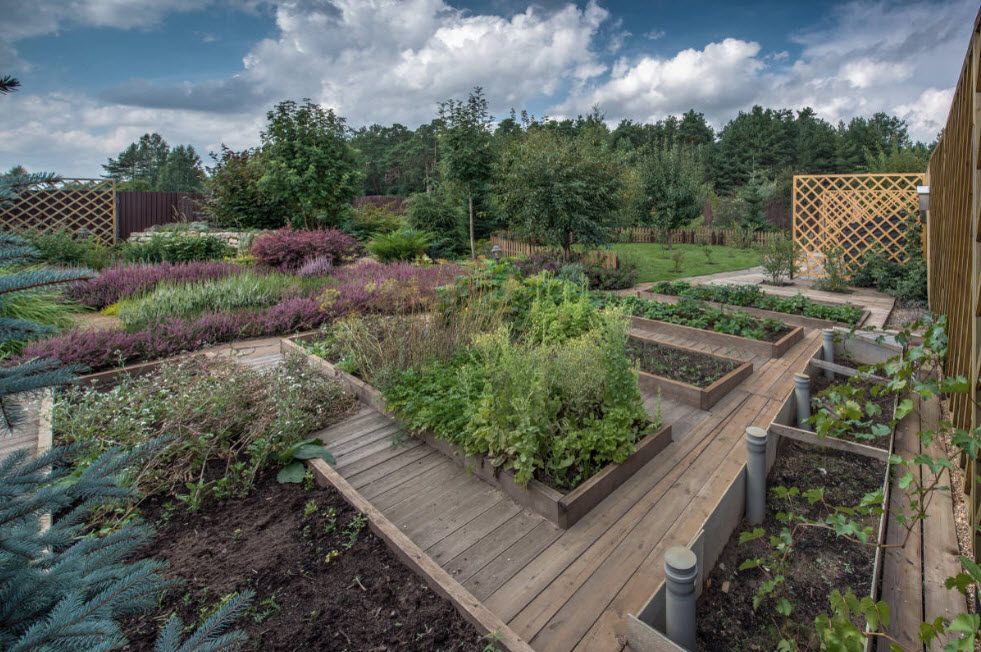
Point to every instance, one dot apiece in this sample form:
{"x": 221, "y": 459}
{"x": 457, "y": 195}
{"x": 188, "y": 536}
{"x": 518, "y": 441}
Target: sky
{"x": 97, "y": 74}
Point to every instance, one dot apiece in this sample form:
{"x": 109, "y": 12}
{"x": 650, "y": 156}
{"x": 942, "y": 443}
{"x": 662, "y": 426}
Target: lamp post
{"x": 497, "y": 252}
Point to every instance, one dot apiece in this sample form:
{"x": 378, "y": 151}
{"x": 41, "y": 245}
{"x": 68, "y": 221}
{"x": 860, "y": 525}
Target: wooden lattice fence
{"x": 855, "y": 211}
{"x": 954, "y": 254}
{"x": 71, "y": 204}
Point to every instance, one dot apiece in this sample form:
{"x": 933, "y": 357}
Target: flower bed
{"x": 692, "y": 377}
{"x": 752, "y": 296}
{"x": 125, "y": 281}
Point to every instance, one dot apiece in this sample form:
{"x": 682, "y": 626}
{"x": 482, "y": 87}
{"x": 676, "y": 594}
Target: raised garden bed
{"x": 563, "y": 509}
{"x": 687, "y": 375}
{"x": 773, "y": 349}
{"x": 787, "y": 318}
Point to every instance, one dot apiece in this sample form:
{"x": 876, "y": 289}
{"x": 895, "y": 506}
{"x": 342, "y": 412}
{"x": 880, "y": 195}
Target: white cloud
{"x": 927, "y": 114}
{"x": 655, "y": 34}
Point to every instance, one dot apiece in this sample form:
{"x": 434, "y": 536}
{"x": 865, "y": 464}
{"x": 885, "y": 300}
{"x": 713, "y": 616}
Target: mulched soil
{"x": 821, "y": 562}
{"x": 323, "y": 580}
{"x": 886, "y": 402}
{"x": 692, "y": 367}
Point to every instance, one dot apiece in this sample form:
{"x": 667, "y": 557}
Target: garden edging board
{"x": 700, "y": 397}
{"x": 564, "y": 510}
{"x": 788, "y": 318}
{"x": 754, "y": 347}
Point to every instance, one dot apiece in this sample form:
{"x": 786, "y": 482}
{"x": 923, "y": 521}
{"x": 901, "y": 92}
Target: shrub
{"x": 62, "y": 247}
{"x": 779, "y": 258}
{"x": 372, "y": 219}
{"x": 236, "y": 200}
{"x": 678, "y": 258}
{"x": 620, "y": 278}
{"x": 231, "y": 419}
{"x": 431, "y": 212}
{"x": 128, "y": 281}
{"x": 288, "y": 249}
{"x": 238, "y": 292}
{"x": 906, "y": 280}
{"x": 316, "y": 268}
{"x": 573, "y": 273}
{"x": 176, "y": 248}
{"x": 835, "y": 269}
{"x": 374, "y": 288}
{"x": 598, "y": 277}
{"x": 405, "y": 244}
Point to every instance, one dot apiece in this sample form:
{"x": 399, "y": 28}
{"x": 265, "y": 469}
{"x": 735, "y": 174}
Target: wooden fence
{"x": 138, "y": 211}
{"x": 954, "y": 253}
{"x": 696, "y": 235}
{"x": 854, "y": 211}
{"x": 86, "y": 205}
{"x": 606, "y": 258}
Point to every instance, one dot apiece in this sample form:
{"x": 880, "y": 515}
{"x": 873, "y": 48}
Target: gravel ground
{"x": 903, "y": 314}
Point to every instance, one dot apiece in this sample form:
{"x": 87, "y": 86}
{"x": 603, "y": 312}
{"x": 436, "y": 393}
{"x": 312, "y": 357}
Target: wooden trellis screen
{"x": 71, "y": 204}
{"x": 855, "y": 211}
{"x": 954, "y": 253}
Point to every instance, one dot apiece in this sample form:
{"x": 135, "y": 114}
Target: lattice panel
{"x": 72, "y": 204}
{"x": 856, "y": 211}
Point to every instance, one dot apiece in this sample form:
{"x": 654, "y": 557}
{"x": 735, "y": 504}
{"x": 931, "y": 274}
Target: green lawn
{"x": 654, "y": 261}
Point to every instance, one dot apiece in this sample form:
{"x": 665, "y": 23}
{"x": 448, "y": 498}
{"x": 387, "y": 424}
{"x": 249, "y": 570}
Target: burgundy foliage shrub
{"x": 124, "y": 281}
{"x": 288, "y": 249}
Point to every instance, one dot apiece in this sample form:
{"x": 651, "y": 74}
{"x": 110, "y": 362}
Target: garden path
{"x": 564, "y": 589}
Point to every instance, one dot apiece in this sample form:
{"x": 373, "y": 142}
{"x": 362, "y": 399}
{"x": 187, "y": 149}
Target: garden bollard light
{"x": 829, "y": 350}
{"x": 802, "y": 388}
{"x": 755, "y": 474}
{"x": 680, "y": 573}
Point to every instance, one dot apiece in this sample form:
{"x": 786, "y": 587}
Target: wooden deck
{"x": 564, "y": 590}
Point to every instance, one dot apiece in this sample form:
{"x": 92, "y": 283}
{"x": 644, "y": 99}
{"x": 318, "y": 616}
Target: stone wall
{"x": 233, "y": 238}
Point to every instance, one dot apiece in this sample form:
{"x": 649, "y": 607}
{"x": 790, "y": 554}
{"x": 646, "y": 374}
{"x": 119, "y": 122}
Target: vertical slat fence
{"x": 138, "y": 211}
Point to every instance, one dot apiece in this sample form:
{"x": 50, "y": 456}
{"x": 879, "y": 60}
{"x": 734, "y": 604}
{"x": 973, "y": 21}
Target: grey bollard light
{"x": 828, "y": 335}
{"x": 680, "y": 573}
{"x": 755, "y": 474}
{"x": 802, "y": 389}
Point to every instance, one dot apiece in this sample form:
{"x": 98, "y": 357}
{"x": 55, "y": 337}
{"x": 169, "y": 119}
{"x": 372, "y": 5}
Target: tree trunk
{"x": 473, "y": 248}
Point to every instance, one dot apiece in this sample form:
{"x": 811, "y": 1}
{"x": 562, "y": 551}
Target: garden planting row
{"x": 796, "y": 311}
{"x": 707, "y": 601}
{"x": 737, "y": 330}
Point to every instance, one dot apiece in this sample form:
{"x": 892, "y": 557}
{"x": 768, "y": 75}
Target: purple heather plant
{"x": 316, "y": 267}
{"x": 125, "y": 281}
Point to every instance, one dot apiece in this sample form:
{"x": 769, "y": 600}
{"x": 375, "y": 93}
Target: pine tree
{"x": 62, "y": 587}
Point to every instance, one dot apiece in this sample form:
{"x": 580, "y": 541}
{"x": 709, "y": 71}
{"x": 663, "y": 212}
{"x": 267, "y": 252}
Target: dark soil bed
{"x": 323, "y": 580}
{"x": 682, "y": 365}
{"x": 821, "y": 562}
{"x": 886, "y": 403}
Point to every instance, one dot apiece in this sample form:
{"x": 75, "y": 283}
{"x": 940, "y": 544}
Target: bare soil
{"x": 323, "y": 580}
{"x": 820, "y": 563}
{"x": 692, "y": 367}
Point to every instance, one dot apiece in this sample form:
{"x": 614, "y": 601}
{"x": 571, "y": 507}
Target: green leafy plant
{"x": 835, "y": 269}
{"x": 293, "y": 469}
{"x": 175, "y": 248}
{"x": 404, "y": 244}
{"x": 678, "y": 259}
{"x": 779, "y": 258}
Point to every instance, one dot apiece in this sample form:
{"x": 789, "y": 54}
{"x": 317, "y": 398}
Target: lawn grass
{"x": 654, "y": 262}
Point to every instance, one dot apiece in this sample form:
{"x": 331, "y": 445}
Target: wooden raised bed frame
{"x": 700, "y": 397}
{"x": 562, "y": 509}
{"x": 787, "y": 318}
{"x": 645, "y": 629}
{"x": 755, "y": 347}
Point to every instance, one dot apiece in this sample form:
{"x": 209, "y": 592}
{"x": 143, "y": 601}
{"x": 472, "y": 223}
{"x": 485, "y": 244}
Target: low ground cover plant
{"x": 224, "y": 423}
{"x": 175, "y": 248}
{"x": 688, "y": 312}
{"x": 568, "y": 267}
{"x": 288, "y": 249}
{"x": 753, "y": 296}
{"x": 129, "y": 281}
{"x": 72, "y": 249}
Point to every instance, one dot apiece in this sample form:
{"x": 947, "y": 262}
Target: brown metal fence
{"x": 138, "y": 211}
{"x": 954, "y": 253}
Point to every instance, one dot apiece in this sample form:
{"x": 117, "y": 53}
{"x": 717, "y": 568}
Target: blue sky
{"x": 97, "y": 74}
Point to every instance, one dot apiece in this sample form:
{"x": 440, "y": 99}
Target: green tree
{"x": 236, "y": 199}
{"x": 558, "y": 191}
{"x": 914, "y": 158}
{"x": 693, "y": 130}
{"x": 754, "y": 195}
{"x": 182, "y": 172}
{"x": 308, "y": 164}
{"x": 466, "y": 145}
{"x": 141, "y": 161}
{"x": 673, "y": 188}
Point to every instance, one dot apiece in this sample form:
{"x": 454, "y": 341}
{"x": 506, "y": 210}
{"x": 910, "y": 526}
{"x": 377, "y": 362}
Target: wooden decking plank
{"x": 351, "y": 427}
{"x": 508, "y": 563}
{"x": 451, "y": 512}
{"x": 940, "y": 537}
{"x": 610, "y": 521}
{"x": 393, "y": 481}
{"x": 352, "y": 445}
{"x": 472, "y": 560}
{"x": 600, "y": 578}
{"x": 439, "y": 468}
{"x": 369, "y": 475}
{"x": 473, "y": 532}
{"x": 446, "y": 480}
{"x": 373, "y": 455}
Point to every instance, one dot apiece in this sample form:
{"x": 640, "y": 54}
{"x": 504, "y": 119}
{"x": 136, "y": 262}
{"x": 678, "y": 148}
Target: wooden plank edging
{"x": 412, "y": 556}
{"x": 737, "y": 342}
